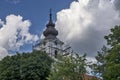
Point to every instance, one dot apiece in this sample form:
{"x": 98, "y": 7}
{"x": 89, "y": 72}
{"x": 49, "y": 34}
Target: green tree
{"x": 9, "y": 68}
{"x": 98, "y": 68}
{"x": 70, "y": 67}
{"x": 108, "y": 60}
{"x": 26, "y": 66}
{"x": 113, "y": 56}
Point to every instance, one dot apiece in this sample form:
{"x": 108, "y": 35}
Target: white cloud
{"x": 1, "y": 22}
{"x": 3, "y": 52}
{"x": 14, "y": 34}
{"x": 85, "y": 24}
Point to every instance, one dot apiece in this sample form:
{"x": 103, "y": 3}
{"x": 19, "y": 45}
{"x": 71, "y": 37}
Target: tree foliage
{"x": 98, "y": 68}
{"x": 26, "y": 66}
{"x": 70, "y": 67}
{"x": 110, "y": 58}
{"x": 113, "y": 56}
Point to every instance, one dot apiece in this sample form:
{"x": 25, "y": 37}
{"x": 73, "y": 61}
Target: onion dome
{"x": 50, "y": 32}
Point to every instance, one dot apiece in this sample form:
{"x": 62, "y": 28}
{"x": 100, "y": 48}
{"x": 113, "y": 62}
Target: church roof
{"x": 50, "y": 32}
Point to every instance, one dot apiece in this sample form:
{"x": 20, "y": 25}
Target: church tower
{"x": 51, "y": 44}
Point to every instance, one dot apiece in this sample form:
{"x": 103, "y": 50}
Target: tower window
{"x": 55, "y": 42}
{"x": 44, "y": 43}
{"x": 56, "y": 52}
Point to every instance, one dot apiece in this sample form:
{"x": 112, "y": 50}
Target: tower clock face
{"x": 13, "y": 1}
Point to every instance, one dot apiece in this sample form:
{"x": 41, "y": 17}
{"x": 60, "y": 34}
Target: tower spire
{"x": 50, "y": 23}
{"x": 50, "y": 15}
{"x": 50, "y": 32}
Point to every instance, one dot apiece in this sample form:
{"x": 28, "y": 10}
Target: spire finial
{"x": 50, "y": 23}
{"x": 50, "y": 15}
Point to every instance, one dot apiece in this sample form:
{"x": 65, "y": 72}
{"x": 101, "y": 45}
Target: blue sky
{"x": 37, "y": 11}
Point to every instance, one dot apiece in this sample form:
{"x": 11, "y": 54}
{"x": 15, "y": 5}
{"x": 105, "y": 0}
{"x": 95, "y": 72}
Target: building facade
{"x": 51, "y": 44}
